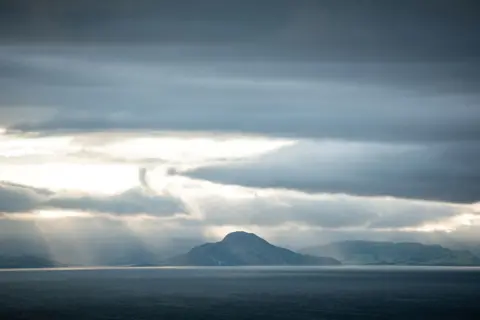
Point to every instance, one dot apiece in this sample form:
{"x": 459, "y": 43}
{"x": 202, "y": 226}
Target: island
{"x": 246, "y": 249}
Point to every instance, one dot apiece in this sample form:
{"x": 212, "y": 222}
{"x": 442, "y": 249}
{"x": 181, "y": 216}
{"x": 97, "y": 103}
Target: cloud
{"x": 23, "y": 188}
{"x": 15, "y": 198}
{"x": 443, "y": 172}
{"x": 131, "y": 202}
{"x": 317, "y": 123}
{"x": 307, "y": 69}
{"x": 142, "y": 177}
{"x": 327, "y": 211}
{"x": 301, "y": 29}
{"x": 330, "y": 103}
{"x": 264, "y": 208}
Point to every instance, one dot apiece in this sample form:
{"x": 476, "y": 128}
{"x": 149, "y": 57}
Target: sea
{"x": 241, "y": 293}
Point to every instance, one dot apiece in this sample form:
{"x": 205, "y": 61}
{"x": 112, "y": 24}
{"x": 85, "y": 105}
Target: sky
{"x": 303, "y": 121}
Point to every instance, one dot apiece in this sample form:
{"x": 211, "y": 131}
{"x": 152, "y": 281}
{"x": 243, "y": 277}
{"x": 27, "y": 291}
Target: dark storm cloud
{"x": 16, "y": 198}
{"x": 390, "y": 71}
{"x": 444, "y": 172}
{"x": 363, "y": 102}
{"x": 24, "y": 72}
{"x": 442, "y": 31}
{"x": 282, "y": 30}
{"x": 329, "y": 28}
{"x": 284, "y": 123}
{"x": 285, "y": 68}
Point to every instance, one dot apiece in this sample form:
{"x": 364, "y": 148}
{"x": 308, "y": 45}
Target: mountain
{"x": 473, "y": 247}
{"x": 245, "y": 249}
{"x": 390, "y": 253}
{"x": 26, "y": 261}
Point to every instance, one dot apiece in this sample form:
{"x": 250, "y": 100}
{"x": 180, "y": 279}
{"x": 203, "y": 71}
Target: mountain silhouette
{"x": 245, "y": 249}
{"x": 26, "y": 261}
{"x": 391, "y": 253}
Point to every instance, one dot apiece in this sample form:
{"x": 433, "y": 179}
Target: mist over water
{"x": 242, "y": 293}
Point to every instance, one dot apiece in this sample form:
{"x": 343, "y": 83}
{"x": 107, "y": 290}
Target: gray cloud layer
{"x": 16, "y": 198}
{"x": 399, "y": 72}
{"x": 302, "y": 29}
{"x": 445, "y": 172}
{"x": 302, "y": 68}
{"x": 328, "y": 212}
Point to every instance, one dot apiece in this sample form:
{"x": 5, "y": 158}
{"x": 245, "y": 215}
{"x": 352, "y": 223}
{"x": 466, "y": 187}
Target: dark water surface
{"x": 242, "y": 293}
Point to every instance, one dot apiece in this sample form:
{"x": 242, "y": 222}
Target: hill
{"x": 245, "y": 249}
{"x": 25, "y": 261}
{"x": 391, "y": 253}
